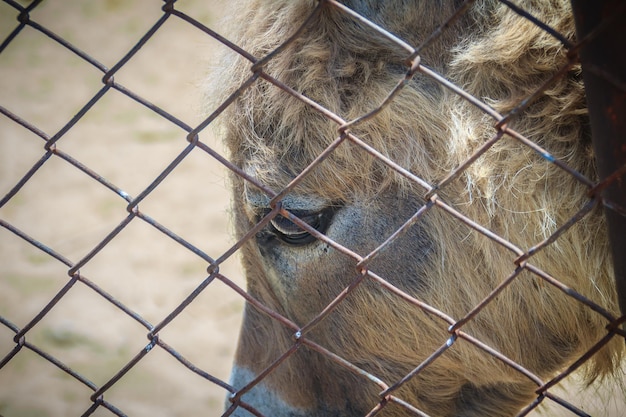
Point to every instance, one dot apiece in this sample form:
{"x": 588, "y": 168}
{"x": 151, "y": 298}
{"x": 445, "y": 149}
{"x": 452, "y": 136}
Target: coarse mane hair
{"x": 512, "y": 190}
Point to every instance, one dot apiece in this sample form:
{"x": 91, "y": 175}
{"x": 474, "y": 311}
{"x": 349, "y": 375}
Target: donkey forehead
{"x": 298, "y": 199}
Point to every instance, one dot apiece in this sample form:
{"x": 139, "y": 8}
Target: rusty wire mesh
{"x": 44, "y": 161}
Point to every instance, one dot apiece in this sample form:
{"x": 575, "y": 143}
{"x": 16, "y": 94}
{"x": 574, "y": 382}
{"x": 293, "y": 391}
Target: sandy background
{"x": 61, "y": 207}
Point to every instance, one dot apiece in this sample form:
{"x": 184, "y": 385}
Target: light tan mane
{"x": 512, "y": 190}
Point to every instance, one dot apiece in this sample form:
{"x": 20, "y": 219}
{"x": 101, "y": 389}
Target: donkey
{"x": 358, "y": 200}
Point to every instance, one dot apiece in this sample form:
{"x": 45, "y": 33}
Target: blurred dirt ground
{"x": 60, "y": 206}
{"x": 129, "y": 145}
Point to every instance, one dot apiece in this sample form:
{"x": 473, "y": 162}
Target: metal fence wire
{"x": 106, "y": 184}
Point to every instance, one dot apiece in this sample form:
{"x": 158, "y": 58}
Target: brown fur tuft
{"x": 494, "y": 55}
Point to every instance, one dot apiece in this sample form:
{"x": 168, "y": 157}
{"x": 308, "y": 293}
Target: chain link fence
{"x": 114, "y": 214}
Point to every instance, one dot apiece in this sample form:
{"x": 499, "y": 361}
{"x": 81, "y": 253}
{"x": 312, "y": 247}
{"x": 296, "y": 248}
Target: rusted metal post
{"x": 600, "y": 27}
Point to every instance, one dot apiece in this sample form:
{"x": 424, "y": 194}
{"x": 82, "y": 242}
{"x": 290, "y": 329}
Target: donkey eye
{"x": 292, "y": 234}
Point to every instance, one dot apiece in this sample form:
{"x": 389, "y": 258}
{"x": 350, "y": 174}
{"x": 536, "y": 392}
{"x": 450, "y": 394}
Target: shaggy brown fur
{"x": 346, "y": 67}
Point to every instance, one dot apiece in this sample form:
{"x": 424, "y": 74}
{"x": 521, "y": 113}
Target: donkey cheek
{"x": 312, "y": 279}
